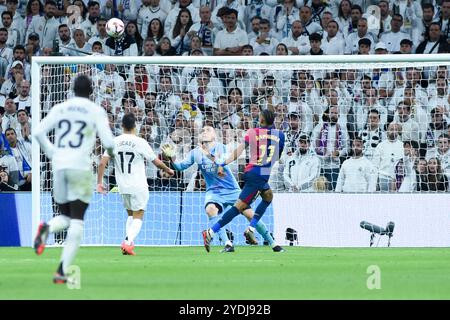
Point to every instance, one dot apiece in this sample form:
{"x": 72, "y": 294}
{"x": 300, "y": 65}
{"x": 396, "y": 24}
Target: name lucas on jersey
{"x": 127, "y": 143}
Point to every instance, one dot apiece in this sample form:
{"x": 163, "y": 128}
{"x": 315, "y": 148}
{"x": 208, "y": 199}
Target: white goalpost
{"x": 173, "y": 97}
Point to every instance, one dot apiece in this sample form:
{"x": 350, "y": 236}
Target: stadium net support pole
{"x": 181, "y": 216}
{"x": 35, "y": 150}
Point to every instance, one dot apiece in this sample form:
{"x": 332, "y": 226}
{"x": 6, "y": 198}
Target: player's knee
{"x": 212, "y": 210}
{"x": 138, "y": 214}
{"x": 267, "y": 195}
{"x": 241, "y": 205}
{"x": 248, "y": 213}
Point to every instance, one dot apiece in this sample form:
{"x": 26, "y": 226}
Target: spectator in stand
{"x": 21, "y": 150}
{"x": 125, "y": 45}
{"x": 296, "y": 42}
{"x": 330, "y": 143}
{"x": 393, "y": 38}
{"x": 23, "y": 100}
{"x": 6, "y": 54}
{"x": 333, "y": 42}
{"x": 422, "y": 26}
{"x": 302, "y": 168}
{"x": 386, "y": 154}
{"x": 24, "y": 127}
{"x": 132, "y": 30}
{"x": 90, "y": 24}
{"x": 385, "y": 23}
{"x": 65, "y": 39}
{"x": 80, "y": 46}
{"x": 6, "y": 183}
{"x": 406, "y": 46}
{"x": 178, "y": 34}
{"x": 309, "y": 26}
{"x": 294, "y": 131}
{"x": 149, "y": 47}
{"x": 357, "y": 173}
{"x": 14, "y": 78}
{"x": 101, "y": 34}
{"x": 435, "y": 42}
{"x": 150, "y": 10}
{"x": 204, "y": 29}
{"x": 284, "y": 16}
{"x": 264, "y": 42}
{"x": 353, "y": 39}
{"x": 370, "y": 102}
{"x": 436, "y": 127}
{"x": 405, "y": 172}
{"x": 315, "y": 41}
{"x": 422, "y": 175}
{"x": 344, "y": 18}
{"x": 155, "y": 30}
{"x": 437, "y": 180}
{"x": 45, "y": 26}
{"x": 364, "y": 46}
{"x": 444, "y": 19}
{"x": 410, "y": 127}
{"x": 441, "y": 152}
{"x": 34, "y": 9}
{"x": 173, "y": 14}
{"x": 297, "y": 105}
{"x": 14, "y": 37}
{"x": 230, "y": 40}
{"x": 165, "y": 48}
{"x": 372, "y": 133}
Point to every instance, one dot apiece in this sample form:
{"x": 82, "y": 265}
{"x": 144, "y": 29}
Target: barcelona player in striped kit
{"x": 265, "y": 145}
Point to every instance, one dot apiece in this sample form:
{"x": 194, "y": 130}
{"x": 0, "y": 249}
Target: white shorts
{"x": 136, "y": 201}
{"x": 70, "y": 185}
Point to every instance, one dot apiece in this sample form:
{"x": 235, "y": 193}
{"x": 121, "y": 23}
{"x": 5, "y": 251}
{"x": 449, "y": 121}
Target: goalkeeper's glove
{"x": 168, "y": 150}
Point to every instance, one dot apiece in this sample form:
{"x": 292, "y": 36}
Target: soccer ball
{"x": 115, "y": 27}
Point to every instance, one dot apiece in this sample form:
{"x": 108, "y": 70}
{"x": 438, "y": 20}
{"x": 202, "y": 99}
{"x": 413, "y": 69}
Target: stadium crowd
{"x": 348, "y": 130}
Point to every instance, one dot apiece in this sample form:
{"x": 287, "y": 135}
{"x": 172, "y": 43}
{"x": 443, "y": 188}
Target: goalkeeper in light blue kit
{"x": 221, "y": 192}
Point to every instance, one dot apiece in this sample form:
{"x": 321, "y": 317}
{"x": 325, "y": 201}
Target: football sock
{"x": 259, "y": 212}
{"x": 262, "y": 230}
{"x": 222, "y": 233}
{"x": 74, "y": 235}
{"x": 134, "y": 230}
{"x": 58, "y": 223}
{"x": 128, "y": 225}
{"x": 226, "y": 218}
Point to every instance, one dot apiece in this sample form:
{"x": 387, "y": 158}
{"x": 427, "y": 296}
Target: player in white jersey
{"x": 76, "y": 122}
{"x": 129, "y": 154}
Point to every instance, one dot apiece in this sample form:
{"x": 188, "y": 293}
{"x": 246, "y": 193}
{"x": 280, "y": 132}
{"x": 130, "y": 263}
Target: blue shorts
{"x": 223, "y": 198}
{"x": 253, "y": 185}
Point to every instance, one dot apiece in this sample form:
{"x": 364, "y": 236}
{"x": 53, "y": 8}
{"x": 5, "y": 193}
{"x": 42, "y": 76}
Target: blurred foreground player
{"x": 76, "y": 122}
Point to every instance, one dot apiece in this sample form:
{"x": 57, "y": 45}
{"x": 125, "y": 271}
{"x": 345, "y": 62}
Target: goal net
{"x": 328, "y": 107}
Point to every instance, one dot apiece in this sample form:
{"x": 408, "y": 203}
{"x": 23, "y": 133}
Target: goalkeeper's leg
{"x": 212, "y": 210}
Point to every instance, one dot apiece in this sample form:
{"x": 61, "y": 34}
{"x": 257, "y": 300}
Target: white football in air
{"x": 115, "y": 27}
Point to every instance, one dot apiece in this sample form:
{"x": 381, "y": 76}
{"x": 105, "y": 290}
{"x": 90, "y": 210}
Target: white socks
{"x": 134, "y": 230}
{"x": 74, "y": 236}
{"x": 128, "y": 225}
{"x": 58, "y": 223}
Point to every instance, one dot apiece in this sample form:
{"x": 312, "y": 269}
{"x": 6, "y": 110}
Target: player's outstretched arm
{"x": 235, "y": 154}
{"x": 159, "y": 164}
{"x": 168, "y": 151}
{"x": 101, "y": 171}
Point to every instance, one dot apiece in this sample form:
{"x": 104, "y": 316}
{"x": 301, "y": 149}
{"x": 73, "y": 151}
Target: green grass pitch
{"x": 256, "y": 273}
